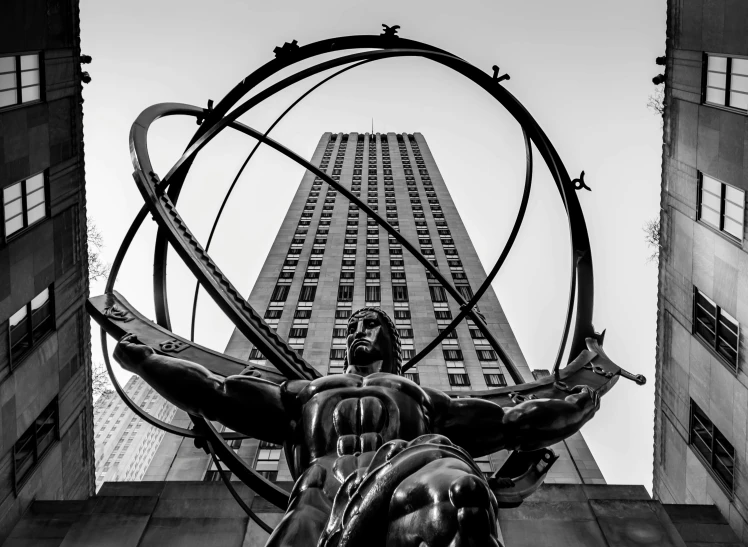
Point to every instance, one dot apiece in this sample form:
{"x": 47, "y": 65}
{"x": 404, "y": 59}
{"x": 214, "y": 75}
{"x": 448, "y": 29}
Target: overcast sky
{"x": 583, "y": 69}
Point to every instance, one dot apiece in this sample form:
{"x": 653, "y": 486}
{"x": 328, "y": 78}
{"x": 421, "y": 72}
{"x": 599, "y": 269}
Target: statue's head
{"x": 373, "y": 343}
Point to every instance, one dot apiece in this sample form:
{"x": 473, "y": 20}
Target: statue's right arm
{"x": 249, "y": 405}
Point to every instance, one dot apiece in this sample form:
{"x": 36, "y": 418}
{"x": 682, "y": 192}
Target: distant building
{"x": 701, "y": 399}
{"x": 125, "y": 444}
{"x": 46, "y": 445}
{"x": 328, "y": 260}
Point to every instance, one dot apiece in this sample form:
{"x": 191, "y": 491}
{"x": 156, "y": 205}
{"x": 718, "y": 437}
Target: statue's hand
{"x": 130, "y": 353}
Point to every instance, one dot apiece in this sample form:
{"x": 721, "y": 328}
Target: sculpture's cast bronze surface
{"x": 379, "y": 460}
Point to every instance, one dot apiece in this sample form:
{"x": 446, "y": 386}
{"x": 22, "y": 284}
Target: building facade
{"x": 125, "y": 444}
{"x": 329, "y": 259}
{"x": 702, "y": 386}
{"x": 46, "y": 444}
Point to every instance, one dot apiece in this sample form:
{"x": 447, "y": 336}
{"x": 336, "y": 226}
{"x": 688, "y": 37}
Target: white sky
{"x": 583, "y": 68}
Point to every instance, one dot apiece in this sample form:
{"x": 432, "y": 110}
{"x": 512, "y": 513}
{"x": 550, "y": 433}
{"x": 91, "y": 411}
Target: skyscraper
{"x": 46, "y": 446}
{"x": 702, "y": 387}
{"x": 125, "y": 444}
{"x": 329, "y": 259}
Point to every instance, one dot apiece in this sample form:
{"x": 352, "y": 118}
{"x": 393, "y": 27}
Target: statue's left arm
{"x": 482, "y": 427}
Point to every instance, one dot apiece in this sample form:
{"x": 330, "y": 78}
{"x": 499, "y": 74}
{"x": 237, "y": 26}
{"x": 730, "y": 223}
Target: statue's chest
{"x": 355, "y": 420}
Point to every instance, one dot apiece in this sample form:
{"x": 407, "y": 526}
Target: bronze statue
{"x": 379, "y": 460}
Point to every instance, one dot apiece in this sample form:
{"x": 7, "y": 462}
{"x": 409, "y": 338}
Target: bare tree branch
{"x": 100, "y": 383}
{"x": 656, "y": 103}
{"x": 652, "y": 236}
{"x": 96, "y": 268}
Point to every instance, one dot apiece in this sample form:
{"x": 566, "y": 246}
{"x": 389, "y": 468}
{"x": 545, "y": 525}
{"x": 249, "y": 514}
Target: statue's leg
{"x": 424, "y": 493}
{"x": 442, "y": 504}
{"x": 307, "y": 514}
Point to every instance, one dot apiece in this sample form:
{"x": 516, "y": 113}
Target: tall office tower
{"x": 328, "y": 260}
{"x": 46, "y": 446}
{"x": 124, "y": 444}
{"x": 701, "y": 391}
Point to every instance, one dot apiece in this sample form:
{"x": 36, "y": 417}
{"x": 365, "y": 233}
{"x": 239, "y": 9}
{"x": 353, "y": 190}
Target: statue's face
{"x": 369, "y": 345}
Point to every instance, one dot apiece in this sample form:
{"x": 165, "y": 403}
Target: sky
{"x": 582, "y": 68}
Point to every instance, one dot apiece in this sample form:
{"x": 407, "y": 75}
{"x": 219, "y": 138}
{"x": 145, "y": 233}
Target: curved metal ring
{"x": 241, "y": 170}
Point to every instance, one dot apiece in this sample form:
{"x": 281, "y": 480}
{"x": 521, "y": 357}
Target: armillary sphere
{"x": 588, "y": 364}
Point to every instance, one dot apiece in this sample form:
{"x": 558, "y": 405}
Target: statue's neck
{"x": 365, "y": 370}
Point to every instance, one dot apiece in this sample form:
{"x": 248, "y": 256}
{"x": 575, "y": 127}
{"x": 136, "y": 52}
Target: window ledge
{"x": 729, "y": 366}
{"x": 726, "y": 108}
{"x": 723, "y": 235}
{"x": 5, "y": 109}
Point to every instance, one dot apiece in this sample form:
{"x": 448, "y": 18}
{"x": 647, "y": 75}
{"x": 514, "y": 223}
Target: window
{"x": 458, "y": 379}
{"x": 715, "y": 450}
{"x": 373, "y": 293}
{"x": 486, "y": 354}
{"x": 408, "y": 354}
{"x": 30, "y": 324}
{"x": 273, "y": 314}
{"x": 24, "y": 204}
{"x": 399, "y": 293}
{"x": 297, "y": 333}
{"x": 494, "y": 379}
{"x": 339, "y": 333}
{"x": 34, "y": 443}
{"x": 721, "y": 206}
{"x": 307, "y": 293}
{"x": 438, "y": 294}
{"x": 337, "y": 353}
{"x": 405, "y": 333}
{"x": 476, "y": 334}
{"x": 402, "y": 314}
{"x": 726, "y": 82}
{"x": 280, "y": 293}
{"x": 268, "y": 458}
{"x": 452, "y": 354}
{"x": 345, "y": 293}
{"x": 443, "y": 314}
{"x": 465, "y": 291}
{"x": 20, "y": 79}
{"x": 716, "y": 327}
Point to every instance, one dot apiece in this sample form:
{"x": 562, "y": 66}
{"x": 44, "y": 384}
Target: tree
{"x": 656, "y": 103}
{"x": 96, "y": 268}
{"x": 100, "y": 383}
{"x": 652, "y": 237}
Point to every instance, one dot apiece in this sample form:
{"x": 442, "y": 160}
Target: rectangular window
{"x": 337, "y": 353}
{"x": 280, "y": 293}
{"x": 256, "y": 354}
{"x": 438, "y": 294}
{"x": 34, "y": 443}
{"x": 307, "y": 293}
{"x": 268, "y": 459}
{"x": 721, "y": 206}
{"x": 405, "y": 333}
{"x": 399, "y": 293}
{"x": 342, "y": 314}
{"x": 495, "y": 380}
{"x": 373, "y": 293}
{"x": 29, "y": 325}
{"x": 486, "y": 355}
{"x": 712, "y": 446}
{"x": 443, "y": 314}
{"x": 24, "y": 204}
{"x": 716, "y": 327}
{"x": 726, "y": 82}
{"x": 402, "y": 314}
{"x": 273, "y": 314}
{"x": 297, "y": 333}
{"x": 413, "y": 377}
{"x": 452, "y": 354}
{"x": 459, "y": 379}
{"x": 345, "y": 293}
{"x": 20, "y": 79}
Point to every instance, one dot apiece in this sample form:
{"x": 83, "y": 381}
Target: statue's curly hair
{"x": 397, "y": 353}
